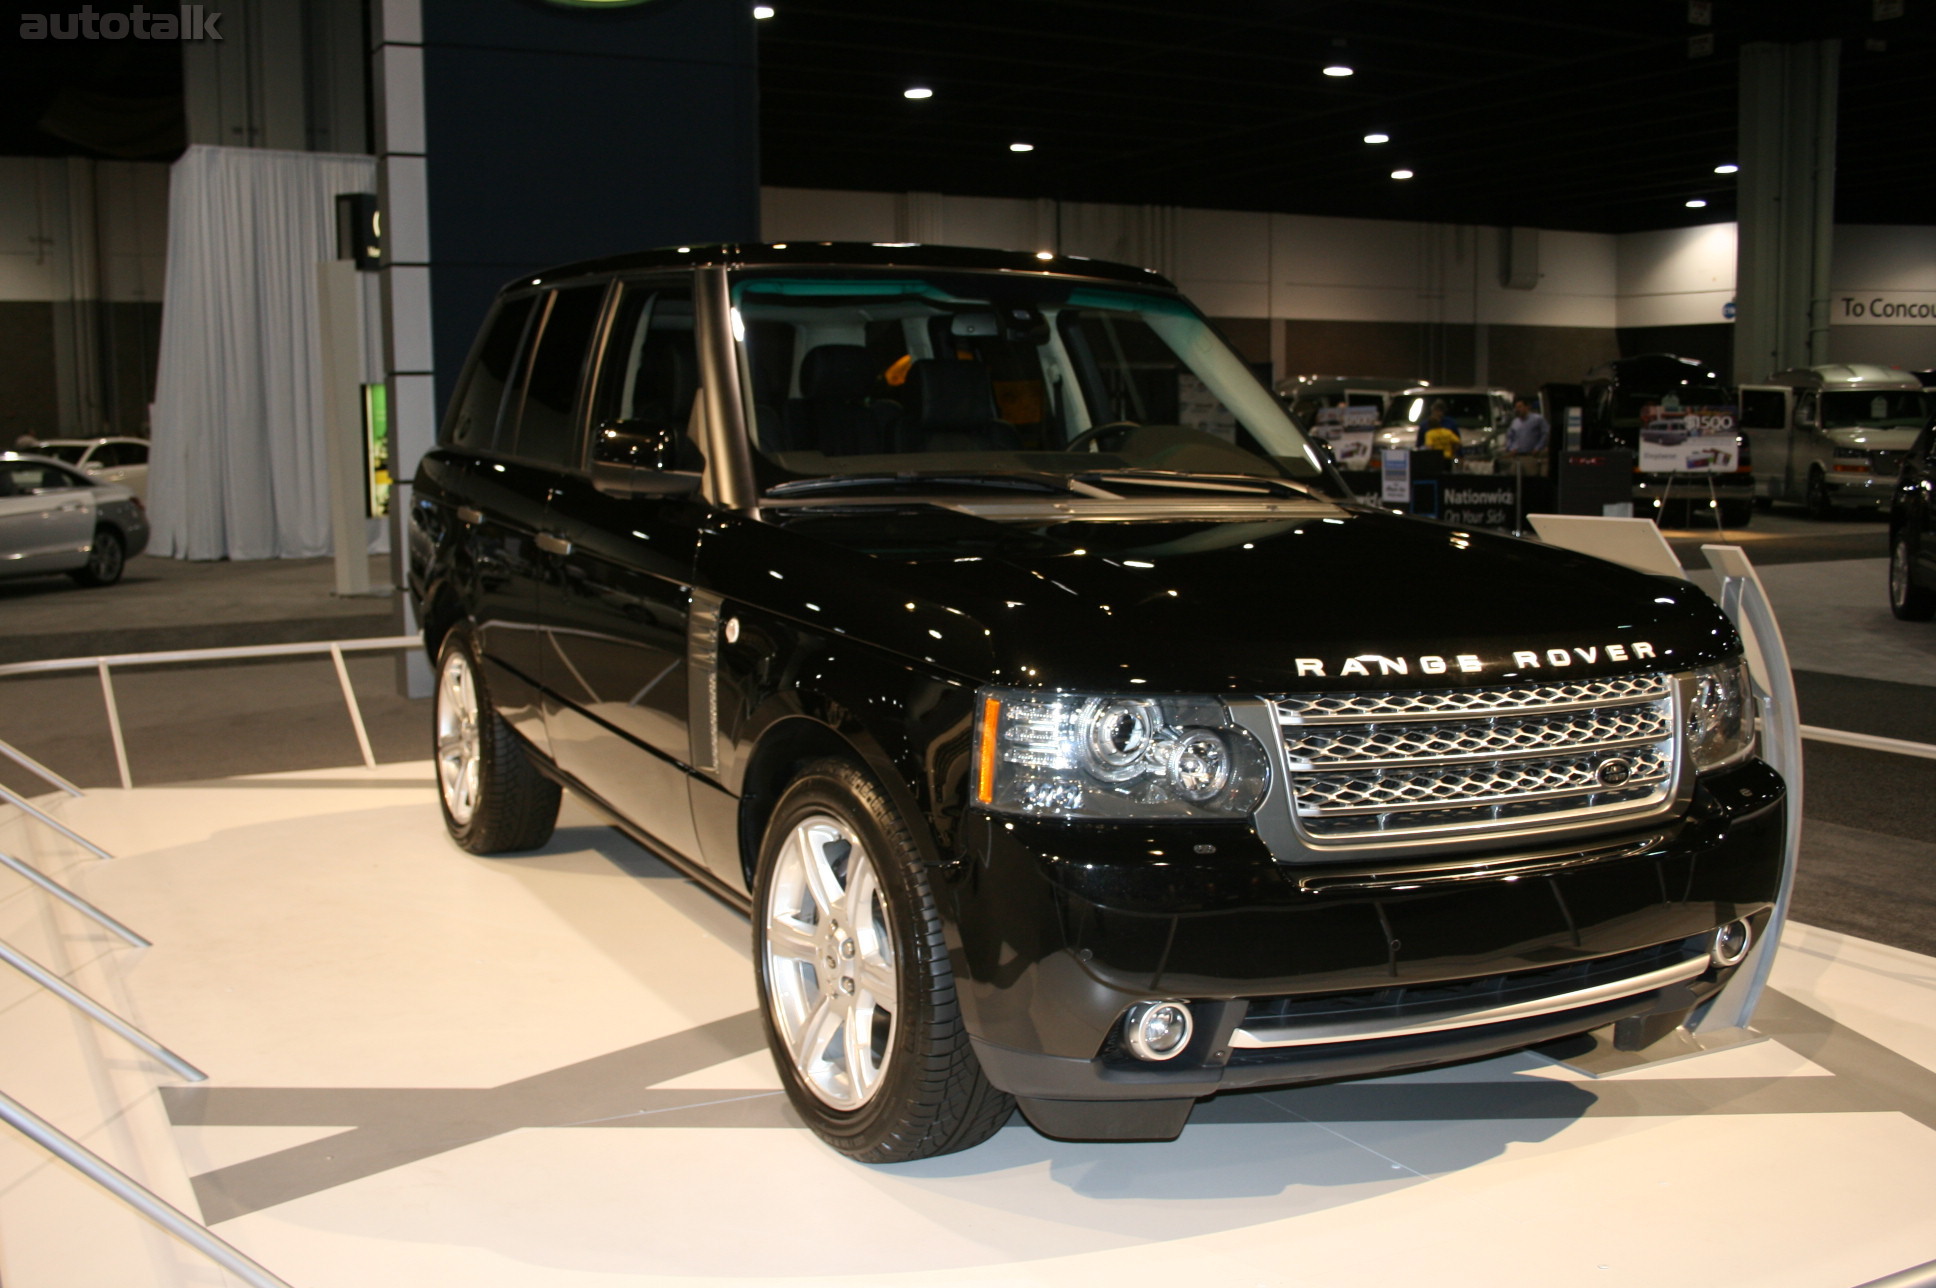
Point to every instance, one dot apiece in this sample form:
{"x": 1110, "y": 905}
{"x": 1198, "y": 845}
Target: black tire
{"x": 914, "y": 1088}
{"x": 1818, "y": 502}
{"x": 106, "y": 560}
{"x": 1737, "y": 513}
{"x": 1764, "y": 503}
{"x": 1907, "y": 600}
{"x": 493, "y": 799}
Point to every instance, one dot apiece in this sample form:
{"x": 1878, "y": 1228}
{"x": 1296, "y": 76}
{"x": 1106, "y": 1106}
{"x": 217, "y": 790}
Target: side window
{"x": 1805, "y": 411}
{"x": 1764, "y": 409}
{"x": 27, "y": 477}
{"x": 547, "y": 422}
{"x": 473, "y": 419}
{"x": 649, "y": 375}
{"x": 134, "y": 453}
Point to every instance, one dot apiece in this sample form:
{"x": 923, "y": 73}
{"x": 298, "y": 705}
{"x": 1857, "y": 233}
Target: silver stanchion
{"x": 135, "y": 1195}
{"x": 71, "y": 899}
{"x": 94, "y": 1010}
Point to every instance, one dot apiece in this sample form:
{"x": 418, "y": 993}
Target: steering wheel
{"x": 1088, "y": 439}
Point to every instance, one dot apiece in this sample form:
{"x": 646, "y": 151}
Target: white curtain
{"x": 239, "y": 467}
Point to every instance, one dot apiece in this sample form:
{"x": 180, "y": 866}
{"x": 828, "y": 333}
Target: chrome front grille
{"x": 1377, "y": 767}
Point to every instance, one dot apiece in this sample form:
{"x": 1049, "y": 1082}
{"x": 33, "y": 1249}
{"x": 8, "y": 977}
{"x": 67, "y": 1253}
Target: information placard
{"x": 1688, "y": 440}
{"x": 1475, "y": 501}
{"x": 1398, "y": 476}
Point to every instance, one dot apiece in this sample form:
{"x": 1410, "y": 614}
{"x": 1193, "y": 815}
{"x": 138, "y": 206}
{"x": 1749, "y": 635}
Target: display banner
{"x": 1893, "y": 308}
{"x": 1398, "y": 475}
{"x": 1479, "y": 502}
{"x": 1354, "y": 450}
{"x": 1688, "y": 440}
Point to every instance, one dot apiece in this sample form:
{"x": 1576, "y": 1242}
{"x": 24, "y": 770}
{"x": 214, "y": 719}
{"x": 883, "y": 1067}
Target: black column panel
{"x": 557, "y": 133}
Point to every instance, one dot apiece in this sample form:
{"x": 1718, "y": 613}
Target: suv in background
{"x": 1307, "y": 395}
{"x": 1479, "y": 414}
{"x": 1681, "y": 424}
{"x": 982, "y": 627}
{"x": 1833, "y": 435}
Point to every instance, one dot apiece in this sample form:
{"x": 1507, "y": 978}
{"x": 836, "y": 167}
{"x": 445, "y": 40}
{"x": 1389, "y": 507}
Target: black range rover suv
{"x": 981, "y": 626}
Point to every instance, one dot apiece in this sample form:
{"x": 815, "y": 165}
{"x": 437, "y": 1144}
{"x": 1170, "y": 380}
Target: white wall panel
{"x": 1003, "y": 223}
{"x": 1884, "y": 258}
{"x": 1676, "y": 276}
{"x": 823, "y": 214}
{"x": 1577, "y": 282}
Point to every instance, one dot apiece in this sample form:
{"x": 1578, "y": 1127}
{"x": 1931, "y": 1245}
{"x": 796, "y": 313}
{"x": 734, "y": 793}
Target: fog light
{"x": 1731, "y": 943}
{"x": 1158, "y": 1030}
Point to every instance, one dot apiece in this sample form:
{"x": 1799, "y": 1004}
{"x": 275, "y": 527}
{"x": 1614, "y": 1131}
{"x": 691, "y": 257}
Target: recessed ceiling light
{"x": 1378, "y": 138}
{"x": 1337, "y": 69}
{"x": 1729, "y": 168}
{"x": 1697, "y": 204}
{"x": 762, "y": 11}
{"x": 917, "y": 91}
{"x": 1401, "y": 174}
{"x": 1021, "y": 147}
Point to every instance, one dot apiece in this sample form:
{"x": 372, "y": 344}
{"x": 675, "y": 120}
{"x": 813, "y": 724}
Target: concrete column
{"x": 1786, "y": 200}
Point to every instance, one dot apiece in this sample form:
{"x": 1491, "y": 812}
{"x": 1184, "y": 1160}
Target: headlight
{"x": 1720, "y": 715}
{"x": 1070, "y": 755}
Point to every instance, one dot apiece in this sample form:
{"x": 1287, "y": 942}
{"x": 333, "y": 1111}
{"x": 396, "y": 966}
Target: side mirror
{"x": 643, "y": 458}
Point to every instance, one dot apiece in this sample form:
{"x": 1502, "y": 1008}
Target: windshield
{"x": 1466, "y": 409}
{"x": 971, "y": 374}
{"x": 1875, "y": 409}
{"x": 69, "y": 452}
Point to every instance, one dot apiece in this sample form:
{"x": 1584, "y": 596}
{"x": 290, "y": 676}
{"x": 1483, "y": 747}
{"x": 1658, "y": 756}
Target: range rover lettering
{"x": 983, "y": 629}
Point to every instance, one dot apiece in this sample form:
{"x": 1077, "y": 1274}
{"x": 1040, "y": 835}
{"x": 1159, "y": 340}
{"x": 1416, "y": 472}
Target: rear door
{"x": 619, "y": 588}
{"x": 1765, "y": 423}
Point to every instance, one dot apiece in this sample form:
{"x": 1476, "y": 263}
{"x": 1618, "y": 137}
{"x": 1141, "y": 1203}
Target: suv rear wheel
{"x": 494, "y": 799}
{"x": 856, "y": 991}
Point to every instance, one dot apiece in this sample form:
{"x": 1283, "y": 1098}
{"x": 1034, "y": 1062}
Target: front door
{"x": 46, "y": 518}
{"x": 616, "y": 601}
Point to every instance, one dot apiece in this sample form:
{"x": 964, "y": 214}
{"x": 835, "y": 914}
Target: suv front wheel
{"x": 494, "y": 799}
{"x": 856, "y": 991}
{"x": 1910, "y": 602}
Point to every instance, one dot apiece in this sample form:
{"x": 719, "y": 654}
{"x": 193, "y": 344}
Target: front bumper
{"x": 1057, "y": 929}
{"x": 1671, "y": 488}
{"x": 1875, "y": 491}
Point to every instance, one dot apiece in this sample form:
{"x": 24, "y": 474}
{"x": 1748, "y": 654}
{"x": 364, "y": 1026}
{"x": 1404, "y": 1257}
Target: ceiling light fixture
{"x": 1378, "y": 138}
{"x": 917, "y": 91}
{"x": 1021, "y": 147}
{"x": 762, "y": 12}
{"x": 1729, "y": 168}
{"x": 1401, "y": 174}
{"x": 1697, "y": 204}
{"x": 1338, "y": 69}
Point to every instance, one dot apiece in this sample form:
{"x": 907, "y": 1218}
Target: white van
{"x": 1832, "y": 435}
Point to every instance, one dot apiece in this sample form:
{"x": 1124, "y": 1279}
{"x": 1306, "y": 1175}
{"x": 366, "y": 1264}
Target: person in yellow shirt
{"x": 1438, "y": 438}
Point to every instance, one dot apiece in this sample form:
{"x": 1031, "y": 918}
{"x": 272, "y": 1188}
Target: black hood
{"x": 1303, "y": 597}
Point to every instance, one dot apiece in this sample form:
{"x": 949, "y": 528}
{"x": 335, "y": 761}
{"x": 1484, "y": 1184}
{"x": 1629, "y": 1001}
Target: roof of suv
{"x": 852, "y": 254}
{"x": 1848, "y": 375}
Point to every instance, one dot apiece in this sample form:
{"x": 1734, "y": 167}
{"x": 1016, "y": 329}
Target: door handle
{"x": 552, "y": 544}
{"x": 72, "y": 506}
{"x": 470, "y": 516}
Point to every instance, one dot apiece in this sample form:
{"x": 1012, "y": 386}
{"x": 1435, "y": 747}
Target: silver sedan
{"x": 55, "y": 519}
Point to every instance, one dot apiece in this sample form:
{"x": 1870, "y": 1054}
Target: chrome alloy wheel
{"x": 460, "y": 760}
{"x": 1899, "y": 556}
{"x": 829, "y": 961}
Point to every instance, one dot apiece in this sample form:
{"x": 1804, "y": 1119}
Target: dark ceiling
{"x": 1595, "y": 115}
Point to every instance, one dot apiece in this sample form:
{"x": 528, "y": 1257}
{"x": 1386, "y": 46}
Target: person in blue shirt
{"x": 1526, "y": 437}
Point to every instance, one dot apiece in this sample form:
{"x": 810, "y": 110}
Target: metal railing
{"x": 103, "y": 665}
{"x": 17, "y": 1115}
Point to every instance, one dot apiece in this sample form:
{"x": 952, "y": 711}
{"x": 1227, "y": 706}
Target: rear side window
{"x": 1764, "y": 409}
{"x": 474, "y": 417}
{"x": 547, "y": 429}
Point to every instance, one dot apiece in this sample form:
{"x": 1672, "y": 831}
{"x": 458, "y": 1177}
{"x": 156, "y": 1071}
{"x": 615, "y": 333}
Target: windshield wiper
{"x": 1182, "y": 480}
{"x": 1017, "y": 480}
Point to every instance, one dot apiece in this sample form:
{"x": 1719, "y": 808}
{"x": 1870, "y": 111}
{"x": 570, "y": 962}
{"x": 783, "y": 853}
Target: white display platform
{"x": 429, "y": 1068}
